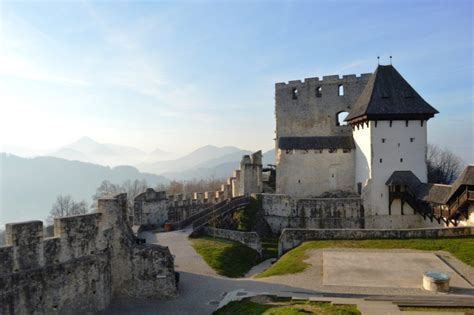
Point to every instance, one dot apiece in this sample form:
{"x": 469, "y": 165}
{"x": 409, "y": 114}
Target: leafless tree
{"x": 131, "y": 188}
{"x": 443, "y": 165}
{"x": 194, "y": 185}
{"x": 66, "y": 206}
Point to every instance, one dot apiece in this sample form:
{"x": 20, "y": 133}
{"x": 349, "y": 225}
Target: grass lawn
{"x": 268, "y": 305}
{"x": 436, "y": 309}
{"x": 293, "y": 261}
{"x": 227, "y": 258}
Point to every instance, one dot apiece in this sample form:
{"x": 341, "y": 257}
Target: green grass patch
{"x": 227, "y": 258}
{"x": 436, "y": 309}
{"x": 270, "y": 248}
{"x": 267, "y": 305}
{"x": 293, "y": 261}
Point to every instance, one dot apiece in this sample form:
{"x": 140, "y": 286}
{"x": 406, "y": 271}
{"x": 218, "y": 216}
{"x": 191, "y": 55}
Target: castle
{"x": 352, "y": 139}
{"x": 363, "y": 175}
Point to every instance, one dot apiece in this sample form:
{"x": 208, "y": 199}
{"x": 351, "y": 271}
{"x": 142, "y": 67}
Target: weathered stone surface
{"x": 249, "y": 239}
{"x": 283, "y": 211}
{"x": 90, "y": 259}
{"x": 290, "y": 238}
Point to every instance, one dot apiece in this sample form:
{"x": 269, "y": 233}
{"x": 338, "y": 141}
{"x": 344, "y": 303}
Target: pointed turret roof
{"x": 388, "y": 96}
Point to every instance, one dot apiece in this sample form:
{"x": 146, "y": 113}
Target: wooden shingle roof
{"x": 388, "y": 96}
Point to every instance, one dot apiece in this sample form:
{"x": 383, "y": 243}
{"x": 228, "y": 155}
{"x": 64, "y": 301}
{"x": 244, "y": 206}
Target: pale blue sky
{"x": 179, "y": 75}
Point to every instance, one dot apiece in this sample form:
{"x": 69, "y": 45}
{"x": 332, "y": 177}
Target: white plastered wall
{"x": 396, "y": 146}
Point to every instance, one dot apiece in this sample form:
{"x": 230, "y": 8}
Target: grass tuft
{"x": 227, "y": 258}
{"x": 267, "y": 305}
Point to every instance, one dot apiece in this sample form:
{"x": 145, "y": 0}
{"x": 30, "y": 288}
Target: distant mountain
{"x": 29, "y": 186}
{"x": 89, "y": 150}
{"x": 222, "y": 167}
{"x": 191, "y": 160}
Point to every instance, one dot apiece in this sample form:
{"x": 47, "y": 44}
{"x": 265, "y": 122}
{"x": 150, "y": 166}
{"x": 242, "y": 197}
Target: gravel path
{"x": 201, "y": 289}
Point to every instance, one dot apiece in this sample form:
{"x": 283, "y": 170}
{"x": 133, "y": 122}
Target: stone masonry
{"x": 91, "y": 259}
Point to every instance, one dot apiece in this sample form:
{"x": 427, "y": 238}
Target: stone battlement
{"x": 327, "y": 79}
{"x": 26, "y": 248}
{"x": 90, "y": 259}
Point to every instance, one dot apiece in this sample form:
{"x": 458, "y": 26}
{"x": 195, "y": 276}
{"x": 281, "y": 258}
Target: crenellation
{"x": 325, "y": 80}
{"x": 91, "y": 258}
{"x": 311, "y": 80}
{"x": 332, "y": 77}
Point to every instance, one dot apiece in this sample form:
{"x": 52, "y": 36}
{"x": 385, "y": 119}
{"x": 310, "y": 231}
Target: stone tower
{"x": 389, "y": 123}
{"x": 314, "y": 147}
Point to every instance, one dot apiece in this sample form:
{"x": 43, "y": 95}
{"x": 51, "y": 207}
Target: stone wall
{"x": 291, "y": 238}
{"x": 90, "y": 259}
{"x": 304, "y": 173}
{"x": 249, "y": 239}
{"x": 301, "y": 111}
{"x": 283, "y": 211}
{"x": 150, "y": 208}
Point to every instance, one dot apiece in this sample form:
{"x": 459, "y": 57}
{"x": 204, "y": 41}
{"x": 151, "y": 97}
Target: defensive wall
{"x": 291, "y": 238}
{"x": 249, "y": 239}
{"x": 152, "y": 209}
{"x": 91, "y": 259}
{"x": 283, "y": 211}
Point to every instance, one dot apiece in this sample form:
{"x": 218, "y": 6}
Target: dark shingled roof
{"x": 434, "y": 193}
{"x": 388, "y": 95}
{"x": 404, "y": 178}
{"x": 318, "y": 143}
{"x": 466, "y": 178}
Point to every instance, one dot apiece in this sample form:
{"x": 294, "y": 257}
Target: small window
{"x": 380, "y": 160}
{"x": 295, "y": 93}
{"x": 399, "y": 145}
{"x": 299, "y": 181}
{"x": 412, "y": 139}
{"x": 340, "y": 118}
{"x": 318, "y": 91}
{"x": 401, "y": 160}
{"x": 341, "y": 90}
{"x": 383, "y": 140}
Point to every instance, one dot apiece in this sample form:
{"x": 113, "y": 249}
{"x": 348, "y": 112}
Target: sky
{"x": 179, "y": 75}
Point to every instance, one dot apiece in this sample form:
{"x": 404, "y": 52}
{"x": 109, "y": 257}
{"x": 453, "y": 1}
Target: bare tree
{"x": 66, "y": 206}
{"x": 194, "y": 185}
{"x": 131, "y": 188}
{"x": 443, "y": 165}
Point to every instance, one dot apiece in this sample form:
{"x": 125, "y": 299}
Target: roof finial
{"x": 378, "y": 60}
{"x": 390, "y": 60}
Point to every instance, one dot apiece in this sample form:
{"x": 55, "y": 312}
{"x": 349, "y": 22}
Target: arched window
{"x": 295, "y": 93}
{"x": 341, "y": 90}
{"x": 318, "y": 91}
{"x": 340, "y": 118}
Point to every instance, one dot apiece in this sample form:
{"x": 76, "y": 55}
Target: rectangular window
{"x": 412, "y": 139}
{"x": 380, "y": 160}
{"x": 383, "y": 140}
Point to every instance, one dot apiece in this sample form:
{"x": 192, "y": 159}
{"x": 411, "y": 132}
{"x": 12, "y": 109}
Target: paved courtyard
{"x": 333, "y": 274}
{"x": 369, "y": 268}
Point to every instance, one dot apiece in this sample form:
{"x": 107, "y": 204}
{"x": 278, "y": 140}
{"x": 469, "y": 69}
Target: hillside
{"x": 29, "y": 186}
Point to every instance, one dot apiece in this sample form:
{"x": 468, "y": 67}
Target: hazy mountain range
{"x": 29, "y": 186}
{"x": 89, "y": 150}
